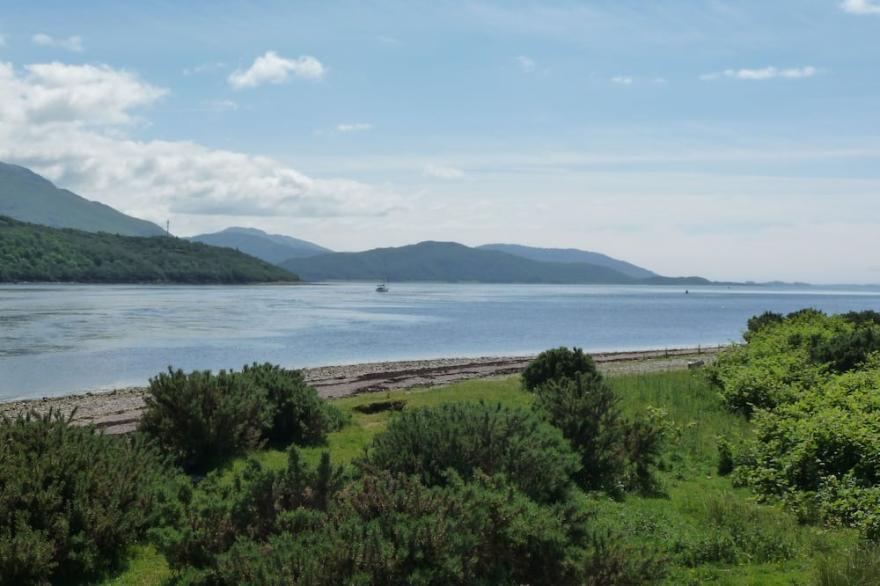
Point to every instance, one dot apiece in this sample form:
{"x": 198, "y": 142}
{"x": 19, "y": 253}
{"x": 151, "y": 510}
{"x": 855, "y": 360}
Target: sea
{"x": 62, "y": 339}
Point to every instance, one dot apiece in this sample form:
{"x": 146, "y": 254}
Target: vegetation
{"x": 583, "y": 480}
{"x": 38, "y": 253}
{"x": 71, "y": 500}
{"x": 812, "y": 386}
{"x": 201, "y": 418}
{"x": 272, "y": 248}
{"x": 556, "y": 364}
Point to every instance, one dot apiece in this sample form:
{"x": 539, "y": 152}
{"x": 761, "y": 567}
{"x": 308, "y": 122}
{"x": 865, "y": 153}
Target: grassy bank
{"x": 706, "y": 530}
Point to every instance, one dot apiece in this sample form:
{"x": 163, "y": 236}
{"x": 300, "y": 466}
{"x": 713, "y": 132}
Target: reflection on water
{"x": 63, "y": 338}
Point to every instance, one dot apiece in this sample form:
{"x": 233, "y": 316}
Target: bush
{"x": 71, "y": 499}
{"x": 469, "y": 437}
{"x": 759, "y": 322}
{"x": 391, "y": 529}
{"x": 725, "y": 457}
{"x": 255, "y": 505}
{"x": 846, "y": 350}
{"x": 586, "y": 410}
{"x": 298, "y": 414}
{"x": 555, "y": 364}
{"x": 200, "y": 418}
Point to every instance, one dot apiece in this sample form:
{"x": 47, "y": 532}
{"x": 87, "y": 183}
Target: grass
{"x": 707, "y": 530}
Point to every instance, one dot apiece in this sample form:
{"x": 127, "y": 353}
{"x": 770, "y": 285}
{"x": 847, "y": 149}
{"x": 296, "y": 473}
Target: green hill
{"x": 29, "y": 252}
{"x": 28, "y": 197}
{"x": 572, "y": 255}
{"x": 273, "y": 248}
{"x": 446, "y": 261}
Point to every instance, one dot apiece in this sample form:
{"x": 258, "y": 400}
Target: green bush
{"x": 391, "y": 529}
{"x": 555, "y": 364}
{"x": 615, "y": 453}
{"x": 846, "y": 350}
{"x": 209, "y": 520}
{"x": 71, "y": 500}
{"x": 201, "y": 417}
{"x": 299, "y": 415}
{"x": 759, "y": 322}
{"x": 469, "y": 437}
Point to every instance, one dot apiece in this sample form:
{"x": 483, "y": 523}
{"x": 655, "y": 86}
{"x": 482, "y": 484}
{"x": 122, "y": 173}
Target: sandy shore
{"x": 118, "y": 411}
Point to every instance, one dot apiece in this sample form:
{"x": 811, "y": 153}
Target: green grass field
{"x": 707, "y": 530}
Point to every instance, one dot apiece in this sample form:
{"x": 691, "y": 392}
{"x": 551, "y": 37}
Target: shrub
{"x": 610, "y": 563}
{"x": 725, "y": 457}
{"x": 846, "y": 350}
{"x": 391, "y": 529}
{"x": 586, "y": 410}
{"x": 555, "y": 364}
{"x": 759, "y": 322}
{"x": 71, "y": 499}
{"x": 860, "y": 566}
{"x": 469, "y": 437}
{"x": 298, "y": 414}
{"x": 255, "y": 505}
{"x": 643, "y": 440}
{"x": 201, "y": 417}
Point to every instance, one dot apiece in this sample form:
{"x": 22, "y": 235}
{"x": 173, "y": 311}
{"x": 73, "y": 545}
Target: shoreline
{"x": 118, "y": 411}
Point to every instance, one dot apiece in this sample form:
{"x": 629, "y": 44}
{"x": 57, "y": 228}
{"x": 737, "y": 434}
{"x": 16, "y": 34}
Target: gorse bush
{"x": 71, "y": 499}
{"x": 759, "y": 322}
{"x": 298, "y": 414}
{"x": 493, "y": 439}
{"x": 846, "y": 350}
{"x": 206, "y": 523}
{"x": 201, "y": 418}
{"x": 556, "y": 364}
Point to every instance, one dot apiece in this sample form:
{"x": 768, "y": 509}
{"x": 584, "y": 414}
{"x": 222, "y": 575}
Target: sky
{"x": 732, "y": 140}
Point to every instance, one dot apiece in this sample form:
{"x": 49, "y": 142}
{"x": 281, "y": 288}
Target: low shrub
{"x": 759, "y": 322}
{"x": 201, "y": 417}
{"x": 846, "y": 350}
{"x": 555, "y": 364}
{"x": 298, "y": 414}
{"x": 71, "y": 500}
{"x": 469, "y": 437}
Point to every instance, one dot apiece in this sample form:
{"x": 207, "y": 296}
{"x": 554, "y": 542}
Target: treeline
{"x": 462, "y": 493}
{"x": 810, "y": 382}
{"x": 33, "y": 253}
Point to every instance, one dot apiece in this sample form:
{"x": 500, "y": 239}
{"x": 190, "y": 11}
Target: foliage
{"x": 201, "y": 417}
{"x": 208, "y": 521}
{"x": 859, "y": 567}
{"x": 846, "y": 350}
{"x": 556, "y": 364}
{"x": 468, "y": 437}
{"x": 299, "y": 415}
{"x": 759, "y": 322}
{"x": 71, "y": 499}
{"x": 29, "y": 252}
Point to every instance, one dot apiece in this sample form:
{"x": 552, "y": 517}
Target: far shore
{"x": 118, "y": 411}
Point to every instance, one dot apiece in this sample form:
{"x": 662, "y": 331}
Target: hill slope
{"x": 38, "y": 253}
{"x": 273, "y": 248}
{"x": 446, "y": 261}
{"x": 569, "y": 255}
{"x": 28, "y": 197}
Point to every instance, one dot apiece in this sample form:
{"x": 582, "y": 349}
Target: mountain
{"x": 272, "y": 248}
{"x": 446, "y": 261}
{"x": 29, "y": 252}
{"x": 570, "y": 255}
{"x": 28, "y": 197}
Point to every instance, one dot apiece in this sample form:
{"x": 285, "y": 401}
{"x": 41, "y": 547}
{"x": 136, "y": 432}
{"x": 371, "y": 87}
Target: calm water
{"x": 60, "y": 339}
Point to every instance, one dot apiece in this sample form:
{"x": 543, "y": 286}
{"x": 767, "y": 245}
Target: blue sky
{"x": 736, "y": 140}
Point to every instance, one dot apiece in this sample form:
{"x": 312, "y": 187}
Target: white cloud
{"x": 204, "y": 68}
{"x": 354, "y": 127}
{"x": 272, "y": 68}
{"x": 68, "y": 121}
{"x": 762, "y": 74}
{"x": 221, "y": 105}
{"x": 622, "y": 80}
{"x": 78, "y": 94}
{"x": 527, "y": 64}
{"x": 73, "y": 43}
{"x": 443, "y": 172}
{"x": 861, "y": 6}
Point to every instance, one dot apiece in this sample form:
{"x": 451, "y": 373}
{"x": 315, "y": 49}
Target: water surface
{"x": 57, "y": 339}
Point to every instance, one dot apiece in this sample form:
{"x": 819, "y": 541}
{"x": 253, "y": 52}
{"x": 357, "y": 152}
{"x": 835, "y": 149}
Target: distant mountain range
{"x": 452, "y": 262}
{"x": 33, "y": 253}
{"x": 28, "y": 197}
{"x": 572, "y": 255}
{"x": 273, "y": 248}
